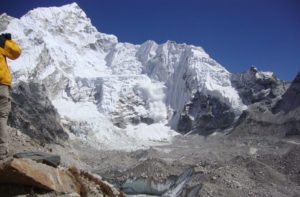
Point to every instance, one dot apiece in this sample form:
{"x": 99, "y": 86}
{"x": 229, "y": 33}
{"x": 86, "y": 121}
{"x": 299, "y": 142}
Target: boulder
{"x": 40, "y": 157}
{"x": 27, "y": 172}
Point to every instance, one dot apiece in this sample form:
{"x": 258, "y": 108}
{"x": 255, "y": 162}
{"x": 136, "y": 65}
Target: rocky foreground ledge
{"x": 23, "y": 176}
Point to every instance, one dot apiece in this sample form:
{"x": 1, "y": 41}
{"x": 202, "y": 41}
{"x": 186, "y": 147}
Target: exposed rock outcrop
{"x": 291, "y": 98}
{"x": 204, "y": 115}
{"x": 276, "y": 117}
{"x": 34, "y": 114}
{"x": 255, "y": 86}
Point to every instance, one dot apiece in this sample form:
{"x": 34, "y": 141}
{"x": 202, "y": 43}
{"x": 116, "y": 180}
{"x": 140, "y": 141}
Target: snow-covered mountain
{"x": 120, "y": 95}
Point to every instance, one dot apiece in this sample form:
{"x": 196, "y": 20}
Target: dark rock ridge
{"x": 204, "y": 115}
{"x": 291, "y": 98}
{"x": 254, "y": 86}
{"x": 275, "y": 117}
{"x": 33, "y": 113}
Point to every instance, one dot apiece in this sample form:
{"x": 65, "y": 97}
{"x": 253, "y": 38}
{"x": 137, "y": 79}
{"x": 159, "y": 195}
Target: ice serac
{"x": 120, "y": 95}
{"x": 188, "y": 73}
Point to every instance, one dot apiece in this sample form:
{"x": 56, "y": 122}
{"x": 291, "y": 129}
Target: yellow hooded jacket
{"x": 12, "y": 51}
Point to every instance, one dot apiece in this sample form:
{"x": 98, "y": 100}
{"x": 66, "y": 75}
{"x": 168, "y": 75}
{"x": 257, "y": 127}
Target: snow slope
{"x": 113, "y": 94}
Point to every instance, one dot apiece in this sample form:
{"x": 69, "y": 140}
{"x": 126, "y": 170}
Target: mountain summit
{"x": 120, "y": 95}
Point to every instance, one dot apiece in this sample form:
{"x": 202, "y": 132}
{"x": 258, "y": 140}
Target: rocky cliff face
{"x": 110, "y": 92}
{"x": 272, "y": 117}
{"x": 291, "y": 98}
{"x": 254, "y": 86}
{"x": 205, "y": 115}
{"x": 34, "y": 114}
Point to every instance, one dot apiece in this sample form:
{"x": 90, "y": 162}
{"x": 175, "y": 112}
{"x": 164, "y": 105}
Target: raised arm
{"x": 8, "y": 47}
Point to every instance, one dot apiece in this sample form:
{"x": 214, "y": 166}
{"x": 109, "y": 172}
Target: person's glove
{"x": 7, "y": 36}
{"x": 3, "y": 38}
{"x": 2, "y": 41}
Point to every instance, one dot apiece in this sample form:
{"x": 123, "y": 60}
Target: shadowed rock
{"x": 254, "y": 86}
{"x": 45, "y": 158}
{"x": 282, "y": 120}
{"x": 204, "y": 115}
{"x": 34, "y": 114}
{"x": 291, "y": 98}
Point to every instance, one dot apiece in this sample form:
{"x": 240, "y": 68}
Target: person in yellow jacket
{"x": 8, "y": 49}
